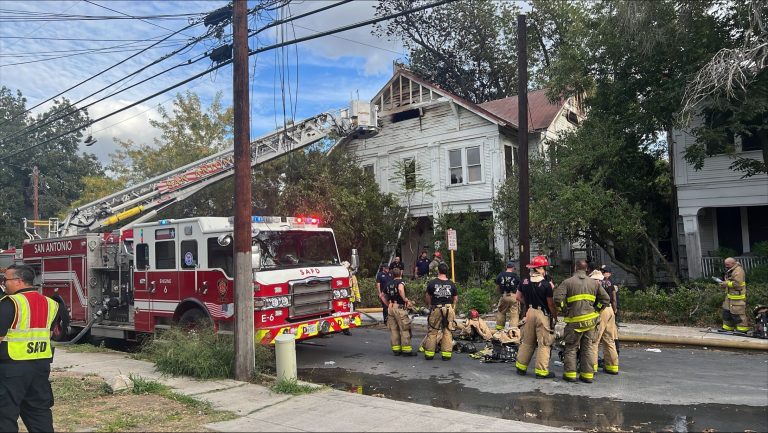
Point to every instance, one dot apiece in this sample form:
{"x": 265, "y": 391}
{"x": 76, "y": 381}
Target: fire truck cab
{"x": 181, "y": 271}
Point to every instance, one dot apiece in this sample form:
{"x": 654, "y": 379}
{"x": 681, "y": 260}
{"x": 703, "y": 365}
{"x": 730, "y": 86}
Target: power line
{"x": 95, "y": 51}
{"x": 122, "y": 13}
{"x": 98, "y": 74}
{"x": 80, "y": 39}
{"x": 40, "y": 26}
{"x": 227, "y": 62}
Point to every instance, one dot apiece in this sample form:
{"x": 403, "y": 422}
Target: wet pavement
{"x": 667, "y": 389}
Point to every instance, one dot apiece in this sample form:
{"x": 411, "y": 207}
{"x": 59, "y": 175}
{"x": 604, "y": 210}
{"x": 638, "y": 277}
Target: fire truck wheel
{"x": 60, "y": 330}
{"x": 194, "y": 318}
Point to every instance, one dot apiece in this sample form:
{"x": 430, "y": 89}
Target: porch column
{"x": 744, "y": 230}
{"x": 692, "y": 242}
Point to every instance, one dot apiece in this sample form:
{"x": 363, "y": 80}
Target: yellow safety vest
{"x": 25, "y": 342}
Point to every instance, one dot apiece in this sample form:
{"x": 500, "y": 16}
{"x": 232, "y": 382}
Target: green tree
{"x": 60, "y": 163}
{"x": 187, "y": 133}
{"x": 466, "y": 47}
{"x": 473, "y": 240}
{"x": 407, "y": 176}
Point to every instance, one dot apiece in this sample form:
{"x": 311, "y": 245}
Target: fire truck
{"x": 119, "y": 276}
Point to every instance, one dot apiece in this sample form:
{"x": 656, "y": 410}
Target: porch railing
{"x": 713, "y": 266}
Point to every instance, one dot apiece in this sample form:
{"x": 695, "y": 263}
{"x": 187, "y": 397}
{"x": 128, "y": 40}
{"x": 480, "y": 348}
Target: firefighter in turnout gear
{"x": 576, "y": 298}
{"x": 442, "y": 296}
{"x": 398, "y": 320}
{"x": 538, "y": 330}
{"x": 605, "y": 335}
{"x": 735, "y": 303}
{"x": 26, "y": 318}
{"x": 507, "y": 283}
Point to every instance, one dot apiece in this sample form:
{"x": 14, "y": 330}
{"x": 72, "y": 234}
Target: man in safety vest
{"x": 536, "y": 292}
{"x": 735, "y": 303}
{"x": 575, "y": 299}
{"x": 26, "y": 318}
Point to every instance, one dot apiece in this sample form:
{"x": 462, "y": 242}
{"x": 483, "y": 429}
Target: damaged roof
{"x": 541, "y": 111}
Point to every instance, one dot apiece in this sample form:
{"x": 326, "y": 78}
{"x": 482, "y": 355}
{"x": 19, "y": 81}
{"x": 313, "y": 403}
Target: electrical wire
{"x": 45, "y": 38}
{"x": 125, "y": 14}
{"x": 225, "y": 63}
{"x": 97, "y": 51}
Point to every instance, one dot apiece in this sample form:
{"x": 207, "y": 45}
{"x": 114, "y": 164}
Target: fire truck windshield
{"x": 294, "y": 248}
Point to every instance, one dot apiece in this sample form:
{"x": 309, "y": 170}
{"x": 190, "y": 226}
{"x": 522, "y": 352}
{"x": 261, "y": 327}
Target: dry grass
{"x": 85, "y": 403}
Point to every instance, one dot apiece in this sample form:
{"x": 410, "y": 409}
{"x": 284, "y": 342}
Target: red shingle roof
{"x": 542, "y": 112}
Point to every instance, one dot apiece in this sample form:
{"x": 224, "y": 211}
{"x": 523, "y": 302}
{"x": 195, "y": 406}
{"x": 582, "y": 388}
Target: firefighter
{"x": 735, "y": 303}
{"x": 605, "y": 335}
{"x": 576, "y": 299}
{"x": 382, "y": 279}
{"x": 474, "y": 327}
{"x": 398, "y": 321}
{"x": 436, "y": 261}
{"x": 538, "y": 330}
{"x": 507, "y": 282}
{"x": 442, "y": 296}
{"x": 26, "y": 319}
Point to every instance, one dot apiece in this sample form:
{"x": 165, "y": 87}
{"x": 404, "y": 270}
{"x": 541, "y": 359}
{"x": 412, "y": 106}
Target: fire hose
{"x": 98, "y": 316}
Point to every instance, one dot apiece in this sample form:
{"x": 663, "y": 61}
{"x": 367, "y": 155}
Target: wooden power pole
{"x": 35, "y": 193}
{"x": 244, "y": 342}
{"x": 524, "y": 240}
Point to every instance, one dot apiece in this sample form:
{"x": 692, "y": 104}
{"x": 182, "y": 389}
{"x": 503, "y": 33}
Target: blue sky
{"x": 329, "y": 69}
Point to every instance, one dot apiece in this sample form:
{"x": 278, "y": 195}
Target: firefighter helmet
{"x": 474, "y": 314}
{"x": 538, "y": 262}
{"x": 437, "y": 254}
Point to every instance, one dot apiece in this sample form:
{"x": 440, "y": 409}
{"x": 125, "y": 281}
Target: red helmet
{"x": 538, "y": 262}
{"x": 474, "y": 314}
{"x": 437, "y": 254}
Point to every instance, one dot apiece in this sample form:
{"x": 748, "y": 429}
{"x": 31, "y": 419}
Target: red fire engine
{"x": 145, "y": 276}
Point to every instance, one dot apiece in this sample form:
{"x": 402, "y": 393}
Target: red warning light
{"x": 299, "y": 220}
{"x": 314, "y": 221}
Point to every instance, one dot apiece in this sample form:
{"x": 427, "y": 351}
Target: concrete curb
{"x": 691, "y": 341}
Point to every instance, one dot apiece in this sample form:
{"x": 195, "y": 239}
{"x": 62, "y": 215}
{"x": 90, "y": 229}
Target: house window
{"x": 409, "y": 171}
{"x": 465, "y": 165}
{"x": 756, "y": 140}
{"x": 719, "y": 138}
{"x": 509, "y": 160}
{"x": 368, "y": 170}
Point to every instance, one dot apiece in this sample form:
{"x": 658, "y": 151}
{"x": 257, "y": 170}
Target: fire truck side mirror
{"x": 355, "y": 260}
{"x": 224, "y": 240}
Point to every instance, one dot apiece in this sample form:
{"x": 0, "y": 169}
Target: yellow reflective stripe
{"x": 396, "y": 348}
{"x": 582, "y": 297}
{"x": 406, "y": 348}
{"x": 737, "y": 297}
{"x": 729, "y": 284}
{"x": 582, "y": 318}
{"x": 541, "y": 372}
{"x": 612, "y": 368}
{"x": 584, "y": 329}
{"x": 742, "y": 328}
{"x": 499, "y": 327}
{"x": 570, "y": 374}
{"x": 588, "y": 375}
{"x": 25, "y": 343}
{"x": 445, "y": 354}
{"x": 727, "y": 328}
{"x": 429, "y": 353}
{"x": 23, "y": 309}
{"x": 594, "y": 367}
{"x": 521, "y": 366}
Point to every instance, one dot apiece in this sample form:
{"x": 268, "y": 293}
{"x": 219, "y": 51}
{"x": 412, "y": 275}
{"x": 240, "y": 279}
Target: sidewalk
{"x": 261, "y": 410}
{"x": 648, "y": 333}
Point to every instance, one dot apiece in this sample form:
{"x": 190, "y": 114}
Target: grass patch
{"x": 201, "y": 354}
{"x": 84, "y": 403}
{"x": 285, "y": 386}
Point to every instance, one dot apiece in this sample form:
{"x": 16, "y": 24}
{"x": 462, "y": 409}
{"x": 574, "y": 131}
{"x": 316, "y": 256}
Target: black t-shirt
{"x": 508, "y": 281}
{"x": 7, "y": 314}
{"x": 611, "y": 290}
{"x": 442, "y": 291}
{"x": 422, "y": 266}
{"x": 392, "y": 293}
{"x": 383, "y": 278}
{"x": 536, "y": 294}
{"x": 398, "y": 265}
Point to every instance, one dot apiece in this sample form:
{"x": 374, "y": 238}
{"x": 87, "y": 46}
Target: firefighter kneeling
{"x": 398, "y": 320}
{"x": 441, "y": 296}
{"x": 536, "y": 293}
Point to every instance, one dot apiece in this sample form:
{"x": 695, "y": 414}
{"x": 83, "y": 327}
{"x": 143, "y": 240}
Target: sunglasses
{"x": 8, "y": 279}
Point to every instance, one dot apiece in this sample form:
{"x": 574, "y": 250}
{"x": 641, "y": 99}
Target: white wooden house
{"x": 464, "y": 149}
{"x": 719, "y": 208}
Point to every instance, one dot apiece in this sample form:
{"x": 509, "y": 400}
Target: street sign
{"x": 450, "y": 234}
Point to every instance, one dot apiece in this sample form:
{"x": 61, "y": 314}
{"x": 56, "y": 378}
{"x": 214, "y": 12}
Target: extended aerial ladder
{"x": 146, "y": 199}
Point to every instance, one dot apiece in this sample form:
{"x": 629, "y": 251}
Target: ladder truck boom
{"x": 148, "y": 198}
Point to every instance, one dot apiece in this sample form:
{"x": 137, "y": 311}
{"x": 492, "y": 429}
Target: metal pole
{"x": 522, "y": 141}
{"x": 35, "y": 191}
{"x": 245, "y": 356}
{"x": 453, "y": 273}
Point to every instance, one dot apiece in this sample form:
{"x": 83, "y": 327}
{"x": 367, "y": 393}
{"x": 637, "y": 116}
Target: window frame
{"x": 465, "y": 166}
{"x": 158, "y": 257}
{"x": 148, "y": 262}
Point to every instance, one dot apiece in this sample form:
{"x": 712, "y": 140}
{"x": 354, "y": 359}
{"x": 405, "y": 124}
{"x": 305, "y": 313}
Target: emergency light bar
{"x": 294, "y": 221}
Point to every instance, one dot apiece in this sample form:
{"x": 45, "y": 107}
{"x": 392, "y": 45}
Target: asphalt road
{"x": 672, "y": 389}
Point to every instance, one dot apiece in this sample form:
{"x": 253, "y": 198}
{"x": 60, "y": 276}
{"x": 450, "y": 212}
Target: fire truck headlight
{"x": 283, "y": 301}
{"x": 344, "y": 293}
{"x": 274, "y": 302}
{"x": 336, "y": 294}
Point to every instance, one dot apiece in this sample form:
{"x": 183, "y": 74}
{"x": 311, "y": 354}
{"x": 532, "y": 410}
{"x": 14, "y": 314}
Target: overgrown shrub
{"x": 201, "y": 353}
{"x": 758, "y": 275}
{"x": 697, "y": 303}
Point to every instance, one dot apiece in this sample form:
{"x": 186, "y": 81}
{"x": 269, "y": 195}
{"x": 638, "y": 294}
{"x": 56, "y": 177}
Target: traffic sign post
{"x": 450, "y": 234}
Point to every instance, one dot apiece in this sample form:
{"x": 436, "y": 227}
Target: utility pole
{"x": 245, "y": 356}
{"x": 524, "y": 240}
{"x": 35, "y": 193}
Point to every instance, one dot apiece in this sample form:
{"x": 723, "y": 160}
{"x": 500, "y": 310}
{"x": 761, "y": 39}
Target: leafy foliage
{"x": 60, "y": 162}
{"x": 473, "y": 237}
